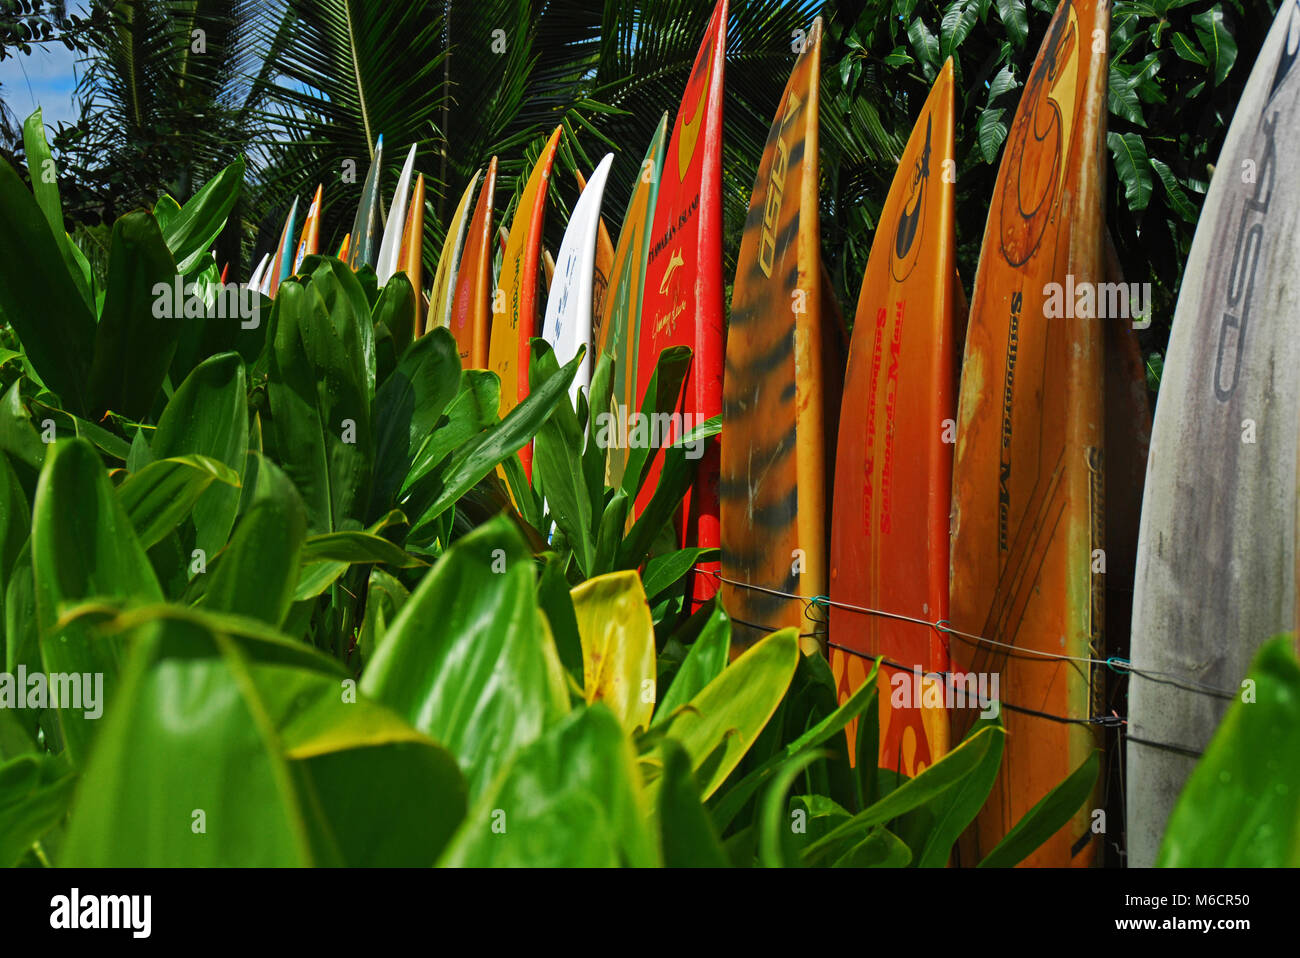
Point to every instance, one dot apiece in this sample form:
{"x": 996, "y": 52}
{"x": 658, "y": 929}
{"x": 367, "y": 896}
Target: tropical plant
{"x": 305, "y": 547}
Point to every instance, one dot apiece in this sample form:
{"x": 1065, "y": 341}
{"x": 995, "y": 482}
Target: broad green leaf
{"x": 187, "y": 770}
{"x": 39, "y": 298}
{"x": 686, "y": 835}
{"x": 1053, "y": 811}
{"x": 990, "y": 131}
{"x": 556, "y": 602}
{"x": 1012, "y": 15}
{"x": 570, "y": 799}
{"x": 18, "y": 437}
{"x": 1133, "y": 167}
{"x": 488, "y": 449}
{"x": 256, "y": 573}
{"x": 191, "y": 232}
{"x": 663, "y": 572}
{"x": 133, "y": 346}
{"x": 880, "y": 849}
{"x": 208, "y": 416}
{"x": 162, "y": 494}
{"x": 1216, "y": 41}
{"x": 1241, "y": 805}
{"x": 618, "y": 646}
{"x": 83, "y": 547}
{"x": 943, "y": 775}
{"x": 1177, "y": 198}
{"x": 776, "y": 843}
{"x": 730, "y": 711}
{"x": 960, "y": 804}
{"x": 396, "y": 311}
{"x": 319, "y": 428}
{"x": 385, "y": 597}
{"x": 703, "y": 663}
{"x": 35, "y": 792}
{"x": 557, "y": 465}
{"x": 45, "y": 186}
{"x": 660, "y": 396}
{"x": 408, "y": 406}
{"x": 473, "y": 410}
{"x": 469, "y": 660}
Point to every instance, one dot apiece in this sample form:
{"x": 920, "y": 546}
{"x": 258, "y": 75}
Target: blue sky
{"x": 45, "y": 79}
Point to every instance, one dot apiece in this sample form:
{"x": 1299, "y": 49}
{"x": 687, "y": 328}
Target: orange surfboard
{"x": 1028, "y": 474}
{"x": 893, "y": 469}
{"x": 410, "y": 259}
{"x": 471, "y": 309}
{"x": 683, "y": 300}
{"x": 772, "y": 491}
{"x": 514, "y": 326}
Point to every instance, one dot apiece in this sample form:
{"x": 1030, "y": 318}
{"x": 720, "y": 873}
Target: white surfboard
{"x": 255, "y": 281}
{"x": 1216, "y": 569}
{"x": 390, "y": 248}
{"x": 567, "y": 323}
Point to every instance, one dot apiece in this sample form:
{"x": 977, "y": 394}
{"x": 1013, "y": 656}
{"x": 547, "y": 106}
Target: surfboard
{"x": 772, "y": 488}
{"x": 255, "y": 280}
{"x": 604, "y": 266}
{"x": 471, "y": 312}
{"x": 362, "y": 248}
{"x": 515, "y": 324}
{"x": 442, "y": 296}
{"x": 682, "y": 301}
{"x": 1028, "y": 478}
{"x": 620, "y": 324}
{"x": 569, "y": 304}
{"x": 283, "y": 259}
{"x": 1216, "y": 548}
{"x": 893, "y": 469}
{"x": 410, "y": 259}
{"x": 309, "y": 241}
{"x": 390, "y": 245}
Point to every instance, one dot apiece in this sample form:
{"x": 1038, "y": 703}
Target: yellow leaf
{"x": 618, "y": 646}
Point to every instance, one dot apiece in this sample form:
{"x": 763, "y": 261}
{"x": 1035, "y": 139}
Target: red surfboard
{"x": 683, "y": 300}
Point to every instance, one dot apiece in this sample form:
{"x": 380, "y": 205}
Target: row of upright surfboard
{"x": 968, "y": 490}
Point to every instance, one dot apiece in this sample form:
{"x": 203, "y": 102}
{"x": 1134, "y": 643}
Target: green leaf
{"x": 959, "y": 805}
{"x": 926, "y": 47}
{"x": 38, "y": 296}
{"x": 570, "y": 799}
{"x": 991, "y": 132}
{"x": 256, "y": 573}
{"x": 1052, "y": 812}
{"x": 191, "y": 232}
{"x": 408, "y": 406}
{"x": 686, "y": 835}
{"x": 557, "y": 465}
{"x": 880, "y": 849}
{"x": 1183, "y": 47}
{"x": 385, "y": 597}
{"x": 663, "y": 572}
{"x": 319, "y": 429}
{"x": 943, "y": 775}
{"x": 1178, "y": 201}
{"x": 1012, "y": 15}
{"x": 45, "y": 185}
{"x": 1241, "y": 805}
{"x": 133, "y": 346}
{"x": 83, "y": 547}
{"x": 704, "y": 662}
{"x": 1133, "y": 167}
{"x": 469, "y": 660}
{"x": 730, "y": 711}
{"x": 35, "y": 792}
{"x": 396, "y": 311}
{"x": 208, "y": 416}
{"x": 489, "y": 448}
{"x": 660, "y": 396}
{"x": 1216, "y": 41}
{"x": 162, "y": 494}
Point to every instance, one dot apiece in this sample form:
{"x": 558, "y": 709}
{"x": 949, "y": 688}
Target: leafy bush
{"x": 328, "y": 632}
